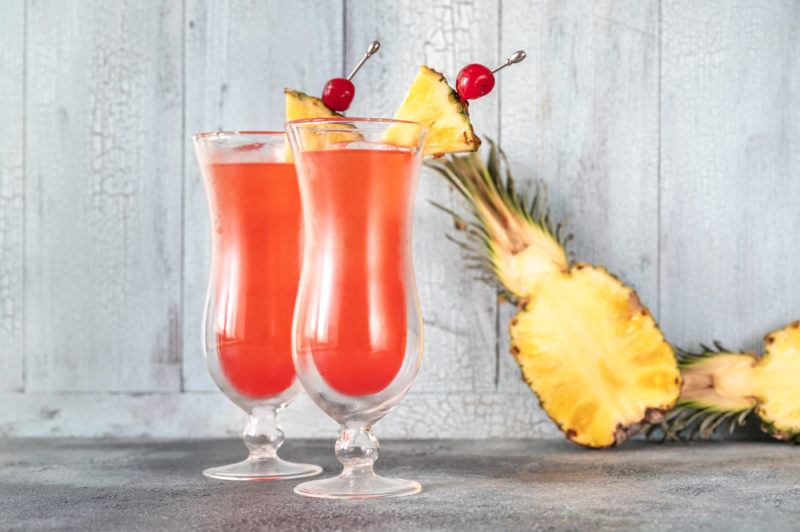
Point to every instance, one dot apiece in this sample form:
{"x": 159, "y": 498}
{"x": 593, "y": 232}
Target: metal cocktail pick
{"x": 374, "y": 47}
{"x": 516, "y": 57}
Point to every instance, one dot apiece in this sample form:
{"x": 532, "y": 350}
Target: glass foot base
{"x": 263, "y": 469}
{"x": 358, "y": 487}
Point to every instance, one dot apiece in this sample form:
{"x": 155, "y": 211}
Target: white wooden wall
{"x": 668, "y": 131}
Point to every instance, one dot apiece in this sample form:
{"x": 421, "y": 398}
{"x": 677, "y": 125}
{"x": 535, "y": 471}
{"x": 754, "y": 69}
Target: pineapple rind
{"x": 594, "y": 356}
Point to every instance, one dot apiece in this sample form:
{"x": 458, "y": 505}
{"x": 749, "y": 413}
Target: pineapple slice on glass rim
{"x": 587, "y": 347}
{"x": 721, "y": 389}
{"x": 432, "y": 102}
{"x": 300, "y": 105}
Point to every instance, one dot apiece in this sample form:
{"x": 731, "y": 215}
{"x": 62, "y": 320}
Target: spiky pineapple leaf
{"x": 570, "y": 317}
{"x": 695, "y": 420}
{"x": 488, "y": 189}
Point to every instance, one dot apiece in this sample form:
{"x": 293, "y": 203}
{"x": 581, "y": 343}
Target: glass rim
{"x": 349, "y": 119}
{"x": 236, "y": 133}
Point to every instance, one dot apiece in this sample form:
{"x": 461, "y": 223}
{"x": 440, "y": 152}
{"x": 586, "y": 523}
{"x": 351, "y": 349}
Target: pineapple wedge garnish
{"x": 722, "y": 388}
{"x": 594, "y": 356}
{"x": 587, "y": 347}
{"x": 300, "y": 105}
{"x": 433, "y": 103}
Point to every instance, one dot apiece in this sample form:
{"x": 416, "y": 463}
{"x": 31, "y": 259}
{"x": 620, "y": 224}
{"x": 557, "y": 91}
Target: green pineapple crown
{"x": 510, "y": 237}
{"x": 693, "y": 418}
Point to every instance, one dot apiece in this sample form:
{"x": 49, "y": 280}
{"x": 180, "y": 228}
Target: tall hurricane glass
{"x": 357, "y": 341}
{"x": 256, "y": 227}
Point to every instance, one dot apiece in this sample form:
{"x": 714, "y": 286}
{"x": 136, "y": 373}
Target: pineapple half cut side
{"x": 721, "y": 389}
{"x": 587, "y": 347}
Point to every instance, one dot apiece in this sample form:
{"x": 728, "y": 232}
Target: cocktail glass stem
{"x": 263, "y": 436}
{"x": 357, "y": 449}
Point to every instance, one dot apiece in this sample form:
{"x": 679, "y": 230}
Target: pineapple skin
{"x": 300, "y": 105}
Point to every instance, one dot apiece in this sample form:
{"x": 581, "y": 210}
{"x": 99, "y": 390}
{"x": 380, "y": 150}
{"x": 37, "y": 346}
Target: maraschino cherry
{"x": 339, "y": 92}
{"x": 475, "y": 80}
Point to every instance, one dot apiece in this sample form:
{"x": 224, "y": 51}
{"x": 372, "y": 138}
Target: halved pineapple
{"x": 587, "y": 347}
{"x": 433, "y": 103}
{"x": 721, "y": 388}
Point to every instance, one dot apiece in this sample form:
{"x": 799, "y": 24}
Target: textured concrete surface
{"x": 489, "y": 485}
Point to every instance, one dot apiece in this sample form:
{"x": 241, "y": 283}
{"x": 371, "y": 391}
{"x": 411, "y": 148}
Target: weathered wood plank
{"x": 239, "y": 57}
{"x": 208, "y": 414}
{"x": 12, "y": 99}
{"x": 458, "y": 312}
{"x": 103, "y": 162}
{"x": 730, "y": 170}
{"x": 581, "y": 114}
{"x": 101, "y": 232}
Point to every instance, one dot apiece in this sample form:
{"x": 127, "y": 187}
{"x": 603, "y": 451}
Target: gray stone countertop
{"x": 467, "y": 485}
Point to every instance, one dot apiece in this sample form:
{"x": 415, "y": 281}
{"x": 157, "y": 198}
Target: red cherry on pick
{"x": 474, "y": 81}
{"x": 338, "y": 94}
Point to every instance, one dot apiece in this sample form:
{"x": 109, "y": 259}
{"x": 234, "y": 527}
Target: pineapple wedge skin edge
{"x": 300, "y": 105}
{"x": 432, "y": 102}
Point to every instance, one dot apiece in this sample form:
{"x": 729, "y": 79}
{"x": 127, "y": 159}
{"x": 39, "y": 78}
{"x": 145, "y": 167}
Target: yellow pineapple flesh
{"x": 594, "y": 356}
{"x": 299, "y": 106}
{"x": 776, "y": 383}
{"x": 721, "y": 388}
{"x": 432, "y": 102}
{"x": 586, "y": 346}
